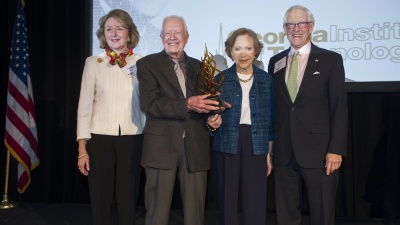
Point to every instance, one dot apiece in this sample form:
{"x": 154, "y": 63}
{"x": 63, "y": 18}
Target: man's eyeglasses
{"x": 300, "y": 24}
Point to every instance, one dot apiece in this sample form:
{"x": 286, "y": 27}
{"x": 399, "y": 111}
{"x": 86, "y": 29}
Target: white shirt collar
{"x": 306, "y": 49}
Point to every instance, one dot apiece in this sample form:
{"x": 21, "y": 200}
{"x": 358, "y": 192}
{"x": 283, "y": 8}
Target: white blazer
{"x": 109, "y": 98}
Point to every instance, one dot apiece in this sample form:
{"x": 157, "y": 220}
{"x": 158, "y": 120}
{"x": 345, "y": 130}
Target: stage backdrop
{"x": 366, "y": 34}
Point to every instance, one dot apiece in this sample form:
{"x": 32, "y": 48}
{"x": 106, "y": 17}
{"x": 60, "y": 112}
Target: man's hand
{"x": 333, "y": 162}
{"x": 200, "y": 104}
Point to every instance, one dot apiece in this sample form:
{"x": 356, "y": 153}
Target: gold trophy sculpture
{"x": 206, "y": 82}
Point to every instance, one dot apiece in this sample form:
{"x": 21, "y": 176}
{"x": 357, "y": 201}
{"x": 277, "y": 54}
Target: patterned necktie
{"x": 292, "y": 78}
{"x": 180, "y": 75}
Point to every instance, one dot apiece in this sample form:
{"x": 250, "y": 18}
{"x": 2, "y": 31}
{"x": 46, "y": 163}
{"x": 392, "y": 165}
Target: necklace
{"x": 247, "y": 80}
{"x": 119, "y": 59}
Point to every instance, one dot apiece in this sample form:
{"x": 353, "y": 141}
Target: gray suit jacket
{"x": 162, "y": 100}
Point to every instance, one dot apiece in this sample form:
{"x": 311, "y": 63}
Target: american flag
{"x": 21, "y": 135}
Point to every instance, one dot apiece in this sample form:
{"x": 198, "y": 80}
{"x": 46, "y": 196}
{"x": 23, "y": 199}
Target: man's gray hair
{"x": 310, "y": 16}
{"x": 185, "y": 30}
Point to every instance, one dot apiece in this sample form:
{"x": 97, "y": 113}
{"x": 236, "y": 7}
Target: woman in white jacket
{"x": 110, "y": 122}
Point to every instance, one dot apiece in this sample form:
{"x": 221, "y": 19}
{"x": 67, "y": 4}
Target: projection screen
{"x": 365, "y": 33}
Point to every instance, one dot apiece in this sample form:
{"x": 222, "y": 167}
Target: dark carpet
{"x": 79, "y": 214}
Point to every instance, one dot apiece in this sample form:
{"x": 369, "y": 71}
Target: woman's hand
{"x": 214, "y": 121}
{"x": 83, "y": 158}
{"x": 269, "y": 164}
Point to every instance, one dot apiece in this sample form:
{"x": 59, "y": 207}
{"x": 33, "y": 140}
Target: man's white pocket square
{"x": 316, "y": 73}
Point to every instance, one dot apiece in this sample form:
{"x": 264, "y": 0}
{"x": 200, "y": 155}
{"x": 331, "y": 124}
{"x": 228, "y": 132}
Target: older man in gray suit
{"x": 176, "y": 135}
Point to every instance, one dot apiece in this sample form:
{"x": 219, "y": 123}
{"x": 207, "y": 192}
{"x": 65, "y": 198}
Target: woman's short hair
{"x": 126, "y": 20}
{"x": 230, "y": 42}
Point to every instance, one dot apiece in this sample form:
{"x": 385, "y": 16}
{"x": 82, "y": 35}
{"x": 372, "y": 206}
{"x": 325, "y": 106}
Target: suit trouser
{"x": 159, "y": 191}
{"x": 114, "y": 170}
{"x": 321, "y": 190}
{"x": 244, "y": 171}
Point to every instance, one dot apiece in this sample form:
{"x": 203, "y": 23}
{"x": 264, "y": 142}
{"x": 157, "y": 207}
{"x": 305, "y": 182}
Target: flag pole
{"x": 5, "y": 203}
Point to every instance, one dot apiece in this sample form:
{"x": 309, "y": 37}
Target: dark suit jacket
{"x": 316, "y": 123}
{"x": 162, "y": 99}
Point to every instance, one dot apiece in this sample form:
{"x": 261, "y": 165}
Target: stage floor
{"x": 79, "y": 214}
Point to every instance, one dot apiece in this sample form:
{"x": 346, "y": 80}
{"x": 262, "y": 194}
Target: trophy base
{"x": 218, "y": 99}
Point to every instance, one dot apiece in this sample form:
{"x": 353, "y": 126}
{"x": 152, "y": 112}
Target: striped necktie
{"x": 180, "y": 75}
{"x": 292, "y": 78}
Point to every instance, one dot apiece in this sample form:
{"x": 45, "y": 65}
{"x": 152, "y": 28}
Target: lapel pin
{"x": 99, "y": 60}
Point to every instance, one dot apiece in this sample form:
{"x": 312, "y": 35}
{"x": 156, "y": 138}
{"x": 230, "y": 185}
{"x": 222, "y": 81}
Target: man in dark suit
{"x": 176, "y": 139}
{"x": 310, "y": 123}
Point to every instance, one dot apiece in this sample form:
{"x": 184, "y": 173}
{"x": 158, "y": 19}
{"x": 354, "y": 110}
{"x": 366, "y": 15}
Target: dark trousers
{"x": 114, "y": 172}
{"x": 321, "y": 190}
{"x": 159, "y": 192}
{"x": 244, "y": 171}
